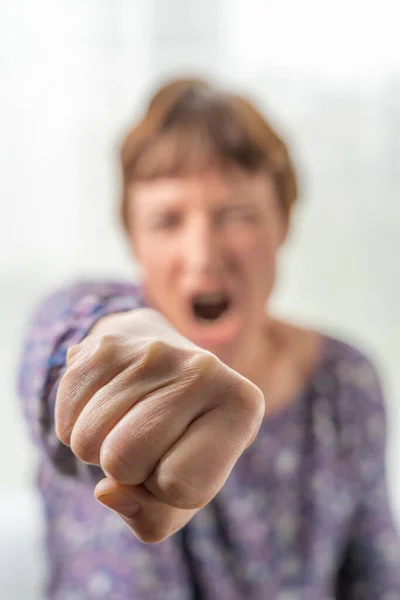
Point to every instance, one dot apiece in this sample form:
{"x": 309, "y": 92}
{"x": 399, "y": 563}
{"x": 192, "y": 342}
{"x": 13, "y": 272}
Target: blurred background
{"x": 75, "y": 73}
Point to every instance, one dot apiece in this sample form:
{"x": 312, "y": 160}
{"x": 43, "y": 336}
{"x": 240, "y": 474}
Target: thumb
{"x": 119, "y": 498}
{"x": 150, "y": 519}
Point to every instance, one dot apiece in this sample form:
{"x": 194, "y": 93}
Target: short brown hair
{"x": 190, "y": 125}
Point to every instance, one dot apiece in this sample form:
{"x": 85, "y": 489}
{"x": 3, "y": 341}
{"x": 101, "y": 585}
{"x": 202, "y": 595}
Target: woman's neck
{"x": 280, "y": 359}
{"x": 252, "y": 355}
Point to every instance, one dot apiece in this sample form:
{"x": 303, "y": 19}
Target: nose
{"x": 202, "y": 248}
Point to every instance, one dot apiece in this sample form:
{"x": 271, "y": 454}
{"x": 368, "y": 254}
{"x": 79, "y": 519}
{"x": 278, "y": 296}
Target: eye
{"x": 166, "y": 221}
{"x": 237, "y": 215}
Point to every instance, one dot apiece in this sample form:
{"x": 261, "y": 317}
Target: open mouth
{"x": 210, "y": 307}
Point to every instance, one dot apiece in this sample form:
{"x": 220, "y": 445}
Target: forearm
{"x": 61, "y": 321}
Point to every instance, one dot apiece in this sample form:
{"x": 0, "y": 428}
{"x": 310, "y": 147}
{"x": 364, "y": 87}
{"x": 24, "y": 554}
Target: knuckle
{"x": 108, "y": 348}
{"x": 252, "y": 399}
{"x": 244, "y": 395}
{"x": 202, "y": 367}
{"x": 249, "y": 404}
{"x": 151, "y": 351}
{"x": 148, "y": 536}
{"x": 179, "y": 491}
{"x": 62, "y": 431}
{"x": 154, "y": 358}
{"x": 62, "y": 420}
{"x": 256, "y": 402}
{"x": 203, "y": 361}
{"x": 152, "y": 533}
{"x": 114, "y": 465}
{"x": 84, "y": 446}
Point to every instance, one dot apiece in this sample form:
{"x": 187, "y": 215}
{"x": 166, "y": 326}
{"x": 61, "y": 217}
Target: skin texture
{"x": 167, "y": 418}
{"x": 207, "y": 233}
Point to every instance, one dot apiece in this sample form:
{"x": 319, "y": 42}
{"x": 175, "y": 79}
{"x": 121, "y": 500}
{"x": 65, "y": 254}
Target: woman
{"x": 159, "y": 407}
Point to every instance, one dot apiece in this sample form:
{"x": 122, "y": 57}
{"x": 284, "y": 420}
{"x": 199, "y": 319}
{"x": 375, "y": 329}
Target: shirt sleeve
{"x": 371, "y": 565}
{"x": 60, "y": 321}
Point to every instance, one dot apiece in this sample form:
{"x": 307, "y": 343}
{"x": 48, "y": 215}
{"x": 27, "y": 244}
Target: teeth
{"x": 210, "y": 298}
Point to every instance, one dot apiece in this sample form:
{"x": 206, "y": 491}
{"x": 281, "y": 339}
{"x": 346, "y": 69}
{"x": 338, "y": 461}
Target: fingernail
{"x": 120, "y": 503}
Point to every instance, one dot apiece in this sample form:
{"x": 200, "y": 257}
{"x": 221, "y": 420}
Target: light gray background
{"x": 74, "y": 73}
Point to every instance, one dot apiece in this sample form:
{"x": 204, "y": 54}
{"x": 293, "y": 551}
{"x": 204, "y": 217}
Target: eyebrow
{"x": 235, "y": 206}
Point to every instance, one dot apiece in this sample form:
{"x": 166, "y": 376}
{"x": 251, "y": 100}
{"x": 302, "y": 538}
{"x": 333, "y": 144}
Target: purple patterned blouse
{"x": 303, "y": 516}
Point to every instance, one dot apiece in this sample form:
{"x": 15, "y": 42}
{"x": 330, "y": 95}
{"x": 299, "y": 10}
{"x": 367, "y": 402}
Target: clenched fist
{"x": 164, "y": 419}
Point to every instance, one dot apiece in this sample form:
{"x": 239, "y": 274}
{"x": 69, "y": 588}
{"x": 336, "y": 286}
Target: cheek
{"x": 148, "y": 251}
{"x": 263, "y": 265}
{"x": 263, "y": 273}
{"x": 257, "y": 248}
{"x": 258, "y": 254}
{"x": 155, "y": 271}
{"x": 156, "y": 265}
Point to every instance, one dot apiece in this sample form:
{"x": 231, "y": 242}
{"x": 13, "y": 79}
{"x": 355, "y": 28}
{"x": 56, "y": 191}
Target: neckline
{"x": 283, "y": 413}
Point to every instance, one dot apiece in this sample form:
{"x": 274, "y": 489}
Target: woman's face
{"x": 207, "y": 245}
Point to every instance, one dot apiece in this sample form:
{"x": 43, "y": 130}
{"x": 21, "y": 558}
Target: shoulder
{"x": 73, "y": 292}
{"x": 64, "y": 316}
{"x": 353, "y": 369}
{"x": 83, "y": 297}
{"x": 348, "y": 381}
{"x": 333, "y": 366}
